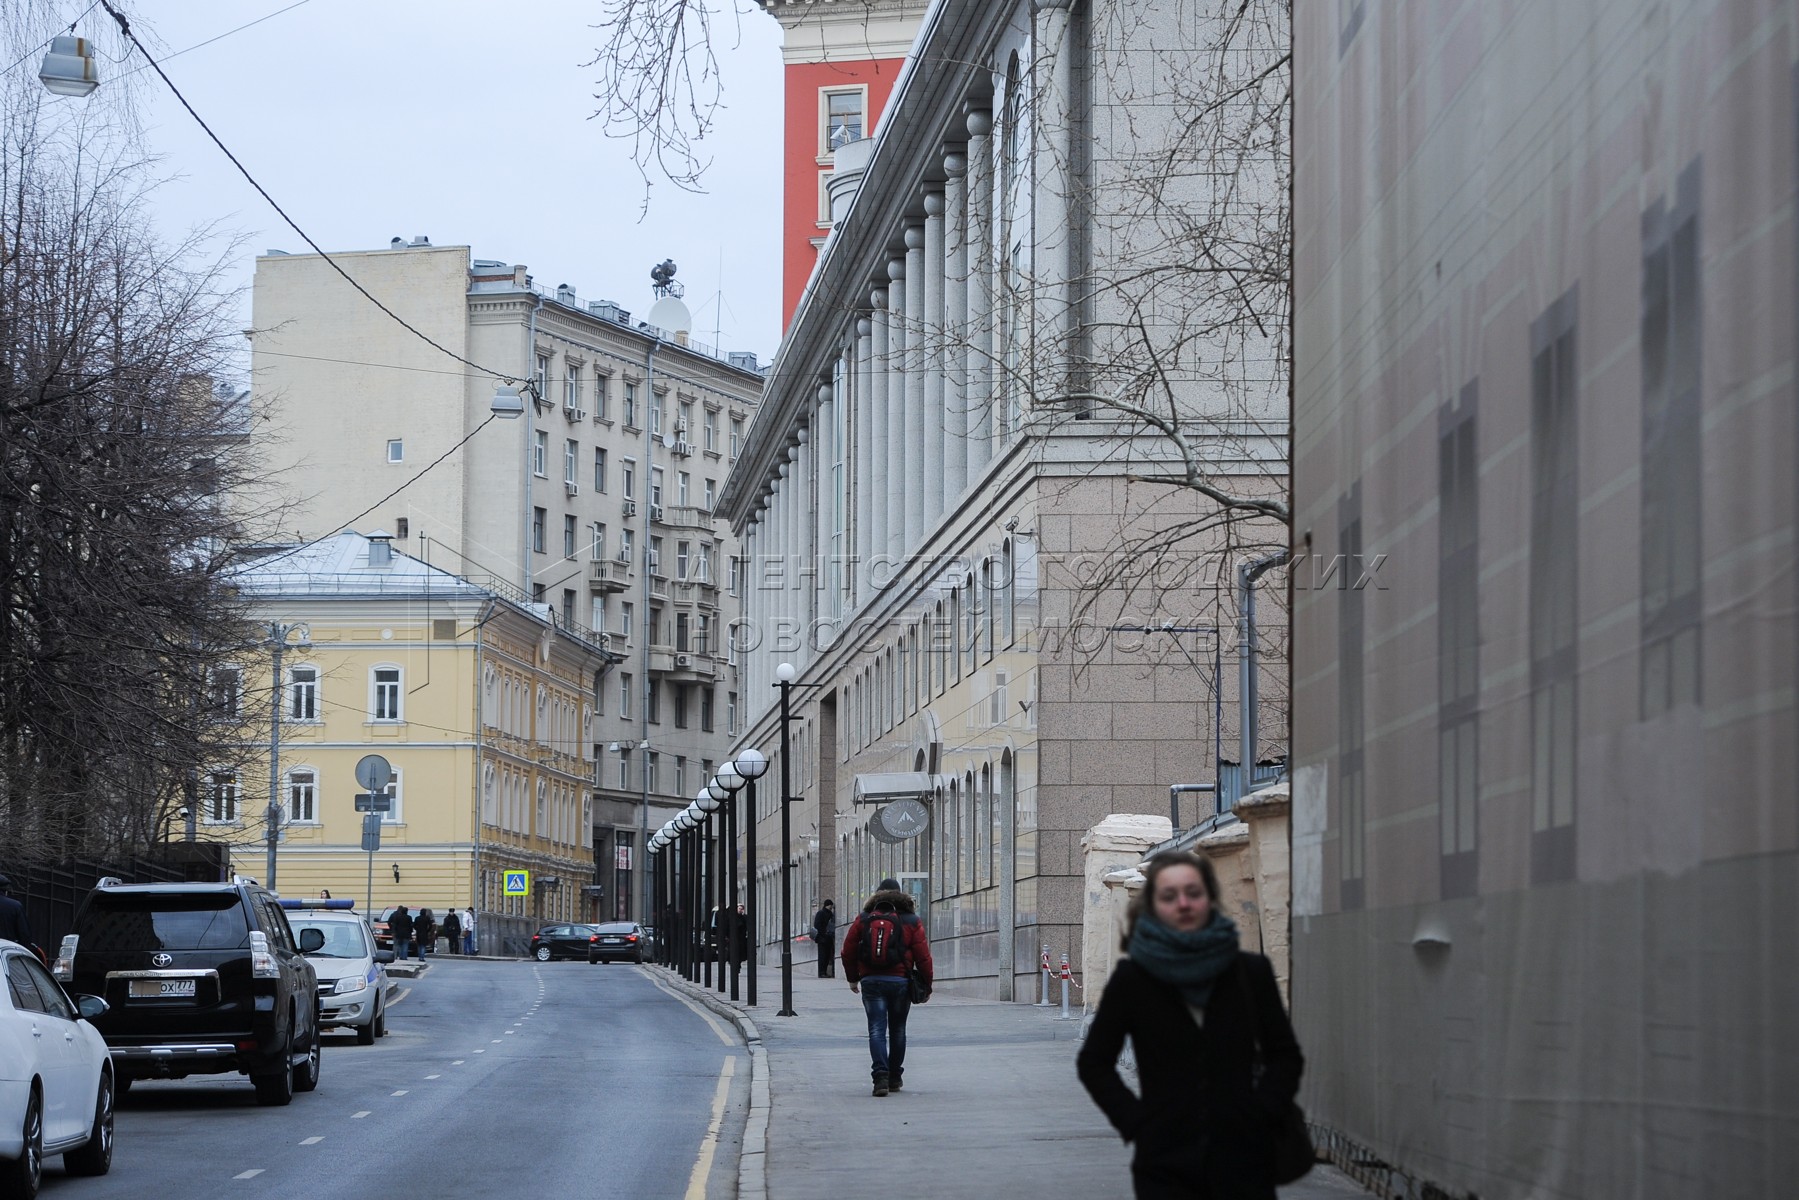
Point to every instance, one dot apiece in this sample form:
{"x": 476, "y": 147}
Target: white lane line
{"x": 495, "y": 1042}
{"x": 358, "y": 1116}
{"x": 311, "y": 1141}
{"x": 401, "y": 1092}
{"x": 717, "y": 1025}
{"x": 399, "y": 996}
{"x": 457, "y": 1062}
{"x": 249, "y": 1174}
{"x": 482, "y": 1050}
{"x": 434, "y": 1077}
{"x": 702, "y": 1166}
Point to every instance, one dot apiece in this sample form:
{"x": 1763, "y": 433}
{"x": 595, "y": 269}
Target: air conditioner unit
{"x": 571, "y": 487}
{"x": 629, "y": 508}
{"x": 623, "y": 556}
{"x": 684, "y": 448}
{"x": 654, "y": 563}
{"x": 575, "y": 414}
{"x": 683, "y": 660}
{"x": 655, "y": 512}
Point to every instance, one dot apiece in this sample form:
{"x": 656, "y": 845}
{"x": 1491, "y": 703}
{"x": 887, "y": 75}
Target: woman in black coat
{"x": 1194, "y": 1007}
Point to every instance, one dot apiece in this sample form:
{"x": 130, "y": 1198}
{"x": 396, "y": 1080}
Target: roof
{"x": 339, "y": 566}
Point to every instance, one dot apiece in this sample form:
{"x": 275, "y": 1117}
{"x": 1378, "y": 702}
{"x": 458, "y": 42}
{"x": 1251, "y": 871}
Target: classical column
{"x": 781, "y": 507}
{"x": 954, "y": 358}
{"x": 980, "y": 370}
{"x": 749, "y": 641}
{"x": 897, "y": 464}
{"x": 862, "y": 437}
{"x": 880, "y": 432}
{"x": 1054, "y": 128}
{"x": 916, "y": 415}
{"x": 931, "y": 356}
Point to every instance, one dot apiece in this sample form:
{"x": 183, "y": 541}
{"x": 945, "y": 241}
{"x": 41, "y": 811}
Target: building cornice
{"x": 823, "y": 31}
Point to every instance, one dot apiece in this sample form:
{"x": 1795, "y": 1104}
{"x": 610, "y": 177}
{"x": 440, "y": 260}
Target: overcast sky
{"x": 467, "y": 121}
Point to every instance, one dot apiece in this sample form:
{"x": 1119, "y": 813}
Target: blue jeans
{"x": 468, "y": 943}
{"x": 887, "y": 1000}
{"x": 400, "y": 945}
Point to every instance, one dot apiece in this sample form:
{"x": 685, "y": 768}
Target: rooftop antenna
{"x": 718, "y": 306}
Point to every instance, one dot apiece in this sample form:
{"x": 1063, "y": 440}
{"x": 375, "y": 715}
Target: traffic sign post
{"x": 371, "y": 841}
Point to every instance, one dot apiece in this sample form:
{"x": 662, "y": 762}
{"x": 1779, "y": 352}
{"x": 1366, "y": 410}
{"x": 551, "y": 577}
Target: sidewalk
{"x": 991, "y": 1106}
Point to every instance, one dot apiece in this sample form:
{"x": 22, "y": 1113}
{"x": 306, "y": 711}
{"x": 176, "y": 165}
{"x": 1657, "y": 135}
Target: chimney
{"x": 398, "y": 243}
{"x": 381, "y": 548}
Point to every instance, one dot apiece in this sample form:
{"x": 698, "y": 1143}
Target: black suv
{"x": 200, "y": 978}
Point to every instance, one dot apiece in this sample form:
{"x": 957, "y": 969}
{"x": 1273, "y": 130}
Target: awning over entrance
{"x": 886, "y": 787}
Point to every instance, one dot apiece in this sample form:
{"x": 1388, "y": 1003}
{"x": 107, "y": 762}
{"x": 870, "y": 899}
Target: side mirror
{"x": 90, "y": 1007}
{"x": 384, "y": 956}
{"x": 312, "y": 941}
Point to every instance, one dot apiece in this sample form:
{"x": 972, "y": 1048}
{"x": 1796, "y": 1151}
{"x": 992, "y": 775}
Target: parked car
{"x": 56, "y": 1089}
{"x": 199, "y": 978}
{"x": 562, "y": 941}
{"x": 383, "y": 939}
{"x": 619, "y": 941}
{"x": 649, "y": 940}
{"x": 352, "y": 981}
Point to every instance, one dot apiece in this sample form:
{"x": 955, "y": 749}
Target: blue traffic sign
{"x": 516, "y": 883}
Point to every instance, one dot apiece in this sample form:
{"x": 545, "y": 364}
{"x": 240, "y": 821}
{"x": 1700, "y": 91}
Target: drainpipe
{"x": 475, "y": 896}
{"x": 1247, "y": 574}
{"x": 1174, "y": 800}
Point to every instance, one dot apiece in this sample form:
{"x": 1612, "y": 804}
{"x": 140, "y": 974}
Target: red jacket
{"x": 918, "y": 946}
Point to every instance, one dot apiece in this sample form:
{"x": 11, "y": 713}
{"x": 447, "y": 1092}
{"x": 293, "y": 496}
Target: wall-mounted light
{"x": 396, "y": 872}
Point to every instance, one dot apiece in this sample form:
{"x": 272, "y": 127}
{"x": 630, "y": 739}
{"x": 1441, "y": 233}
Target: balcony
{"x": 694, "y": 591}
{"x": 608, "y": 575}
{"x": 658, "y": 585}
{"x": 684, "y": 516}
{"x": 683, "y": 666}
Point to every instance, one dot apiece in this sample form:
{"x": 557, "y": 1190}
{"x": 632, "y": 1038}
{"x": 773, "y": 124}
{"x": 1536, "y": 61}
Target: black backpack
{"x": 883, "y": 941}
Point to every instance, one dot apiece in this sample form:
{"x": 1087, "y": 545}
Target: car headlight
{"x": 350, "y": 983}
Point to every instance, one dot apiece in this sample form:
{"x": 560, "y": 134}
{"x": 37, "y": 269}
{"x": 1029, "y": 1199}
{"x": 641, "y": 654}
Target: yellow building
{"x": 481, "y": 704}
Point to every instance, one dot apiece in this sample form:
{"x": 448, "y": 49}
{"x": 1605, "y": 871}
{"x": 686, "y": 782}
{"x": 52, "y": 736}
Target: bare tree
{"x": 116, "y": 450}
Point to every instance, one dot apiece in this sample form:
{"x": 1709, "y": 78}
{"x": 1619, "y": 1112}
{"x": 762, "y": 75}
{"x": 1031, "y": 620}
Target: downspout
{"x": 1247, "y": 574}
{"x": 480, "y": 759}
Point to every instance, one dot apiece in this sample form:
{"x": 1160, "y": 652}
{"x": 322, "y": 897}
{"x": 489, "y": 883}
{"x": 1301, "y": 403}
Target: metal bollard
{"x": 1047, "y": 972}
{"x": 1067, "y": 978}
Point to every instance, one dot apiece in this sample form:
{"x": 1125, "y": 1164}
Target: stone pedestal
{"x": 1110, "y": 853}
{"x": 1227, "y": 849}
{"x": 1266, "y": 813}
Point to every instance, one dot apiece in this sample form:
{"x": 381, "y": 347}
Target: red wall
{"x": 800, "y": 171}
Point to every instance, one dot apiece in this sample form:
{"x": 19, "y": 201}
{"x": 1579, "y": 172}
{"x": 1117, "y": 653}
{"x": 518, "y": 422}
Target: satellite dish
{"x": 668, "y": 440}
{"x": 671, "y": 313}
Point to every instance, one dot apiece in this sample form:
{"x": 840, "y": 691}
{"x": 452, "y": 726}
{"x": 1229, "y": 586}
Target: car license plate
{"x": 615, "y": 941}
{"x": 162, "y": 989}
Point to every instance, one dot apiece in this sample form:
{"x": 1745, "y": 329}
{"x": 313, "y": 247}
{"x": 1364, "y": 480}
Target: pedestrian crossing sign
{"x": 517, "y": 883}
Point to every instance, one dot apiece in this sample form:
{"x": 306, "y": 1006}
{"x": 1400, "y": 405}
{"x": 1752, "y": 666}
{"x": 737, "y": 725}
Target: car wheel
{"x": 543, "y": 954}
{"x": 365, "y": 1034}
{"x": 640, "y": 958}
{"x": 276, "y": 1088}
{"x": 306, "y": 1075}
{"x": 95, "y": 1157}
{"x": 381, "y": 1021}
{"x": 20, "y": 1176}
{"x": 122, "y": 1084}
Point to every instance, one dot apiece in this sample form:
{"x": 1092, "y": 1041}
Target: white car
{"x": 56, "y": 1089}
{"x": 352, "y": 981}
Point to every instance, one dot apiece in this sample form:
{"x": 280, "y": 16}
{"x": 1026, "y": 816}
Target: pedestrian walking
{"x": 399, "y": 927}
{"x": 424, "y": 929}
{"x": 884, "y": 945}
{"x": 1218, "y": 1061}
{"x": 452, "y": 928}
{"x": 740, "y": 936}
{"x": 468, "y": 931}
{"x": 824, "y": 932}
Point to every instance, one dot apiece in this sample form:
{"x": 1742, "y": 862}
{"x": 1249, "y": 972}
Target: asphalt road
{"x": 496, "y": 1079}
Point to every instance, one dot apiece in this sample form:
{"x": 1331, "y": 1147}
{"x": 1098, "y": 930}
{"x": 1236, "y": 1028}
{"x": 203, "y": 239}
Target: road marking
{"x": 702, "y": 1167}
{"x": 714, "y": 1022}
{"x": 401, "y": 1092}
{"x": 249, "y": 1174}
{"x": 482, "y": 1050}
{"x": 434, "y": 1077}
{"x": 360, "y": 1115}
{"x": 457, "y": 1062}
{"x": 403, "y": 993}
{"x": 311, "y": 1141}
{"x": 495, "y": 1042}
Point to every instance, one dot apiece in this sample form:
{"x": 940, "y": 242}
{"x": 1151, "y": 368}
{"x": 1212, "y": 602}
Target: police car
{"x": 352, "y": 981}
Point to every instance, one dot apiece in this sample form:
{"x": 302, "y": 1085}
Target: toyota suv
{"x": 199, "y": 978}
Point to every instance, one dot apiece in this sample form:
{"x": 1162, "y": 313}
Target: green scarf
{"x": 1192, "y": 961}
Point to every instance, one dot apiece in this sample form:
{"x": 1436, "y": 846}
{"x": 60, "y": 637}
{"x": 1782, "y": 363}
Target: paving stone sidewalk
{"x": 991, "y": 1106}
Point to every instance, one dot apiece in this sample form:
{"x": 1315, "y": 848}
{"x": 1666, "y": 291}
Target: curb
{"x": 752, "y": 1163}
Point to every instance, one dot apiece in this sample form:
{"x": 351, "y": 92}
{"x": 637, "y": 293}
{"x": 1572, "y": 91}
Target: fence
{"x": 51, "y": 892}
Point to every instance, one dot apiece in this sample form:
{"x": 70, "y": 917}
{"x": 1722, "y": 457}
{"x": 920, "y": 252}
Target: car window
{"x": 24, "y": 991}
{"x": 274, "y": 922}
{"x": 116, "y": 921}
{"x": 56, "y": 1003}
{"x": 343, "y": 939}
{"x": 616, "y": 927}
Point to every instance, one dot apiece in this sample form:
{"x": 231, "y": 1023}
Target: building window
{"x": 568, "y": 603}
{"x": 711, "y": 430}
{"x": 396, "y": 450}
{"x": 655, "y": 563}
{"x": 652, "y": 705}
{"x": 628, "y": 477}
{"x": 225, "y": 692}
{"x": 652, "y": 769}
{"x": 679, "y": 697}
{"x": 602, "y": 401}
{"x": 221, "y": 798}
{"x": 702, "y": 633}
{"x": 685, "y": 428}
{"x": 624, "y": 696}
{"x": 683, "y": 488}
{"x": 402, "y": 527}
{"x": 1554, "y": 608}
{"x": 571, "y": 458}
{"x": 630, "y": 405}
{"x": 682, "y": 551}
{"x": 627, "y": 546}
{"x": 736, "y": 436}
{"x": 656, "y": 486}
{"x": 538, "y": 517}
{"x": 392, "y": 791}
{"x": 303, "y": 797}
{"x": 655, "y": 413}
{"x": 1458, "y": 646}
{"x": 384, "y": 703}
{"x": 540, "y": 379}
{"x": 706, "y": 705}
{"x": 841, "y": 115}
{"x": 571, "y": 385}
{"x": 1351, "y": 689}
{"x": 996, "y": 711}
{"x": 540, "y": 455}
{"x": 1673, "y": 455}
{"x": 711, "y": 494}
{"x": 568, "y": 535}
{"x": 303, "y": 694}
{"x": 599, "y": 543}
{"x": 599, "y": 469}
{"x": 731, "y": 713}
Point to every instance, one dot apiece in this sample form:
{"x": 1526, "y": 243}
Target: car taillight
{"x": 262, "y": 963}
{"x": 631, "y": 938}
{"x": 65, "y": 958}
{"x": 593, "y": 937}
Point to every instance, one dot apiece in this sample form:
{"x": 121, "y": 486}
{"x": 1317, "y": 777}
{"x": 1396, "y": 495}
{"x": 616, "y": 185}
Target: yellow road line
{"x": 702, "y": 1167}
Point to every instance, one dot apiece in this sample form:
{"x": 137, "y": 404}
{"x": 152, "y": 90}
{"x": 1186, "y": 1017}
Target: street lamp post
{"x": 750, "y": 766}
{"x": 725, "y": 793}
{"x": 784, "y": 675}
{"x": 278, "y": 635}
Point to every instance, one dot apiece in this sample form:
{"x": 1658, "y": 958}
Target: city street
{"x": 495, "y": 1077}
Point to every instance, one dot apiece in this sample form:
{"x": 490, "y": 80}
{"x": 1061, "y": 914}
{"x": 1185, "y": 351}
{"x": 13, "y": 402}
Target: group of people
{"x": 418, "y": 932}
{"x": 1218, "y": 1064}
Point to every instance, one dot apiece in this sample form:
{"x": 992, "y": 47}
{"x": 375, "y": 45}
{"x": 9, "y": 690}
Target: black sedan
{"x": 564, "y": 941}
{"x": 619, "y": 941}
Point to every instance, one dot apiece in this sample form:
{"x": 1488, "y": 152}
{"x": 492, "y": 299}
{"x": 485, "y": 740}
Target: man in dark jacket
{"x": 824, "y": 935}
{"x": 885, "y": 941}
{"x": 399, "y": 926}
{"x": 13, "y": 926}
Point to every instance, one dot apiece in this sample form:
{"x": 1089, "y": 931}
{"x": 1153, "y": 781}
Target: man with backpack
{"x": 884, "y": 950}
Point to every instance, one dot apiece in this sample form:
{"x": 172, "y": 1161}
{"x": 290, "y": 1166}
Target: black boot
{"x": 880, "y": 1083}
